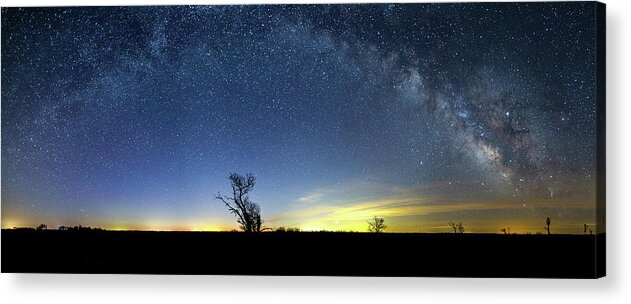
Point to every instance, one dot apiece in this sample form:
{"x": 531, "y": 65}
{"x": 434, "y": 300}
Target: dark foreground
{"x": 304, "y": 253}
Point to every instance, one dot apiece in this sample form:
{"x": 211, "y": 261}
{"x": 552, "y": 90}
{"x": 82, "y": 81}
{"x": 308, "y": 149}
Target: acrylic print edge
{"x": 601, "y": 165}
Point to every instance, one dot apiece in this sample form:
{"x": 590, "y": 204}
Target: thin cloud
{"x": 353, "y": 214}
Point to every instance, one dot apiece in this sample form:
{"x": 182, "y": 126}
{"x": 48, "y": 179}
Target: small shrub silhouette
{"x": 587, "y": 228}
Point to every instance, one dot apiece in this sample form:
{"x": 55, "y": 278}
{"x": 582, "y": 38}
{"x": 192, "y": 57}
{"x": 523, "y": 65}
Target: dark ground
{"x": 303, "y": 253}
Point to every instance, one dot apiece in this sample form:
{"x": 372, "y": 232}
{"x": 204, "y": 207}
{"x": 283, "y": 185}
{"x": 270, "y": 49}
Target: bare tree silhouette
{"x": 247, "y": 212}
{"x": 460, "y": 228}
{"x": 503, "y": 230}
{"x": 454, "y": 226}
{"x": 41, "y": 227}
{"x": 547, "y": 227}
{"x": 377, "y": 225}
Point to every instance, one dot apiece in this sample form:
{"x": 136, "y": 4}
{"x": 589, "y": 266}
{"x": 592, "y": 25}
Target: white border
{"x": 615, "y": 288}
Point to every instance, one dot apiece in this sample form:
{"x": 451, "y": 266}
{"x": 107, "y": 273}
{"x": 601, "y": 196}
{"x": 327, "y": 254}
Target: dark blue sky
{"x": 133, "y": 117}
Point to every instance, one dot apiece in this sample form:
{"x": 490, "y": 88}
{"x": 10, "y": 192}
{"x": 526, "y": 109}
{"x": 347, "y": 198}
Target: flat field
{"x": 304, "y": 253}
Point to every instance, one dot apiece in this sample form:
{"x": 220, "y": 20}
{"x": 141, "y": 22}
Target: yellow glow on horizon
{"x": 402, "y": 214}
{"x": 522, "y": 226}
{"x": 8, "y": 224}
{"x": 398, "y": 212}
{"x": 209, "y": 228}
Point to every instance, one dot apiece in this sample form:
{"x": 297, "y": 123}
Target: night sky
{"x": 133, "y": 117}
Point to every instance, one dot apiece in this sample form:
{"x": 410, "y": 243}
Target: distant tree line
{"x": 42, "y": 227}
{"x": 78, "y": 228}
{"x": 287, "y": 229}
